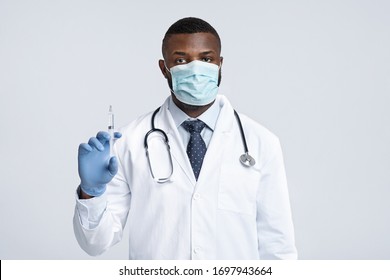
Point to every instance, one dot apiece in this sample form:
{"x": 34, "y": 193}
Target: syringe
{"x": 111, "y": 129}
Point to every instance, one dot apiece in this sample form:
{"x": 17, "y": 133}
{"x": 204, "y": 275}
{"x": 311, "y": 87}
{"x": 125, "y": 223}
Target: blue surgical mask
{"x": 195, "y": 83}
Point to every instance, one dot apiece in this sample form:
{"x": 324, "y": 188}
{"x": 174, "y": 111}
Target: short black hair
{"x": 190, "y": 25}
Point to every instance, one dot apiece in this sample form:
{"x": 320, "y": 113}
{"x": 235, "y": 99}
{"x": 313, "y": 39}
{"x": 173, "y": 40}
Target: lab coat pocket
{"x": 238, "y": 188}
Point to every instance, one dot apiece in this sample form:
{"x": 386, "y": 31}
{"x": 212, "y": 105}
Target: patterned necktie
{"x": 196, "y": 148}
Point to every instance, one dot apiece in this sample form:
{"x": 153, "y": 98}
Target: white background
{"x": 316, "y": 73}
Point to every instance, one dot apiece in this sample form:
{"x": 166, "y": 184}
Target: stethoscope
{"x": 246, "y": 159}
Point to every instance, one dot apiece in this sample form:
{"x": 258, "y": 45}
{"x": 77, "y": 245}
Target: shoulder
{"x": 255, "y": 129}
{"x": 256, "y": 134}
{"x": 133, "y": 135}
{"x": 260, "y": 140}
{"x": 144, "y": 122}
{"x": 137, "y": 124}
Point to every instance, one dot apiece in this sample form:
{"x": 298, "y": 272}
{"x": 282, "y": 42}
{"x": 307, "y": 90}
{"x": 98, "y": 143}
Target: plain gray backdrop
{"x": 316, "y": 73}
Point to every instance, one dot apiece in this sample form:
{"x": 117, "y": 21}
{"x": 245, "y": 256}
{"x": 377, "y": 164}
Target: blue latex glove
{"x": 96, "y": 168}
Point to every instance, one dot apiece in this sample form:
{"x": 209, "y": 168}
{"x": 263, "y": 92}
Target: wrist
{"x": 87, "y": 192}
{"x": 83, "y": 195}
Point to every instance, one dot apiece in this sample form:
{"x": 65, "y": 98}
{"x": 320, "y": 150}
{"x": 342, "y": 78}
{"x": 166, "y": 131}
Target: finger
{"x": 84, "y": 148}
{"x": 103, "y": 137}
{"x": 95, "y": 143}
{"x": 117, "y": 135}
{"x": 113, "y": 166}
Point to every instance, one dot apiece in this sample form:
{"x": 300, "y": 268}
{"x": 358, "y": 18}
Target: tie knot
{"x": 194, "y": 126}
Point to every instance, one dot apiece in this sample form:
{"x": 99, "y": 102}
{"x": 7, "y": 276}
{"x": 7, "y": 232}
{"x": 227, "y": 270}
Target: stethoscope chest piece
{"x": 247, "y": 160}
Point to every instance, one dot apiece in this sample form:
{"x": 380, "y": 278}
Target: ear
{"x": 221, "y": 60}
{"x": 164, "y": 71}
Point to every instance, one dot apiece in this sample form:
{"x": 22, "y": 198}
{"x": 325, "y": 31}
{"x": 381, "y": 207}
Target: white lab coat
{"x": 231, "y": 212}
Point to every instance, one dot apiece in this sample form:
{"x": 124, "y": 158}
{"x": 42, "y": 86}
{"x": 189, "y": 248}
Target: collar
{"x": 209, "y": 117}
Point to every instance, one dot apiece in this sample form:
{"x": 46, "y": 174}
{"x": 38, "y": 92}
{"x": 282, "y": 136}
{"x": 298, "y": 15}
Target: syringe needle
{"x": 111, "y": 128}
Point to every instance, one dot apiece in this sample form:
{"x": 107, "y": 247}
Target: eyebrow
{"x": 207, "y": 52}
{"x": 184, "y": 53}
{"x": 179, "y": 53}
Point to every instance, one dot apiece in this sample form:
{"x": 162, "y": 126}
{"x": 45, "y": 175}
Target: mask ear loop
{"x": 166, "y": 67}
{"x": 169, "y": 73}
{"x": 220, "y": 62}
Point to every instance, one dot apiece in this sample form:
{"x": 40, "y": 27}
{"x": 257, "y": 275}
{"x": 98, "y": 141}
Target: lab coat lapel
{"x": 217, "y": 147}
{"x": 165, "y": 122}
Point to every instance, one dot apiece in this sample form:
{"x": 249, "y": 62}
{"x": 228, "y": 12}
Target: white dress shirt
{"x": 209, "y": 117}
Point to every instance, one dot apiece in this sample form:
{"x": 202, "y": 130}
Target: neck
{"x": 191, "y": 110}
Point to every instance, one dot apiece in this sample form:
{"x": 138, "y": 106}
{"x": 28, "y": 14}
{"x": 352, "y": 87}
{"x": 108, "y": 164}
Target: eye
{"x": 207, "y": 59}
{"x": 180, "y": 61}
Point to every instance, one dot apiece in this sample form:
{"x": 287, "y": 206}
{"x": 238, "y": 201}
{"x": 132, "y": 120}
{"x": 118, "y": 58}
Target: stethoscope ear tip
{"x": 247, "y": 160}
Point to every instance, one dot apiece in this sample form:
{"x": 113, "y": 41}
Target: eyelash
{"x": 182, "y": 60}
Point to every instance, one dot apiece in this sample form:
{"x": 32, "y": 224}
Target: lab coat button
{"x": 196, "y": 250}
{"x": 196, "y": 196}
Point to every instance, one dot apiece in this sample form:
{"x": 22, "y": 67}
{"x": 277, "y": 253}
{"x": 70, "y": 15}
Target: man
{"x": 213, "y": 206}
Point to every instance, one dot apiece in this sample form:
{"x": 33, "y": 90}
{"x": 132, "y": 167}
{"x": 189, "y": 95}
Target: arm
{"x": 103, "y": 198}
{"x": 274, "y": 222}
{"x": 99, "y": 222}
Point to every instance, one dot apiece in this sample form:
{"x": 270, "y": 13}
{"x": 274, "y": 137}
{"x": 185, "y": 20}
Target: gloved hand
{"x": 96, "y": 168}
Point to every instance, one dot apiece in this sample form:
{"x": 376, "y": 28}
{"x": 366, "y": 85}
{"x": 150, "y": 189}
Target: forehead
{"x": 191, "y": 43}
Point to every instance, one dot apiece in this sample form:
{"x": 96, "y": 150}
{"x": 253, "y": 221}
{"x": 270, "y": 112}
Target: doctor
{"x": 213, "y": 206}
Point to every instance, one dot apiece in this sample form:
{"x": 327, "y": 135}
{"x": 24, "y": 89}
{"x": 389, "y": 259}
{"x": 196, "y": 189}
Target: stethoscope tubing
{"x": 245, "y": 158}
{"x": 241, "y": 132}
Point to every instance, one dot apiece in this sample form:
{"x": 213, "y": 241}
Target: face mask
{"x": 195, "y": 83}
